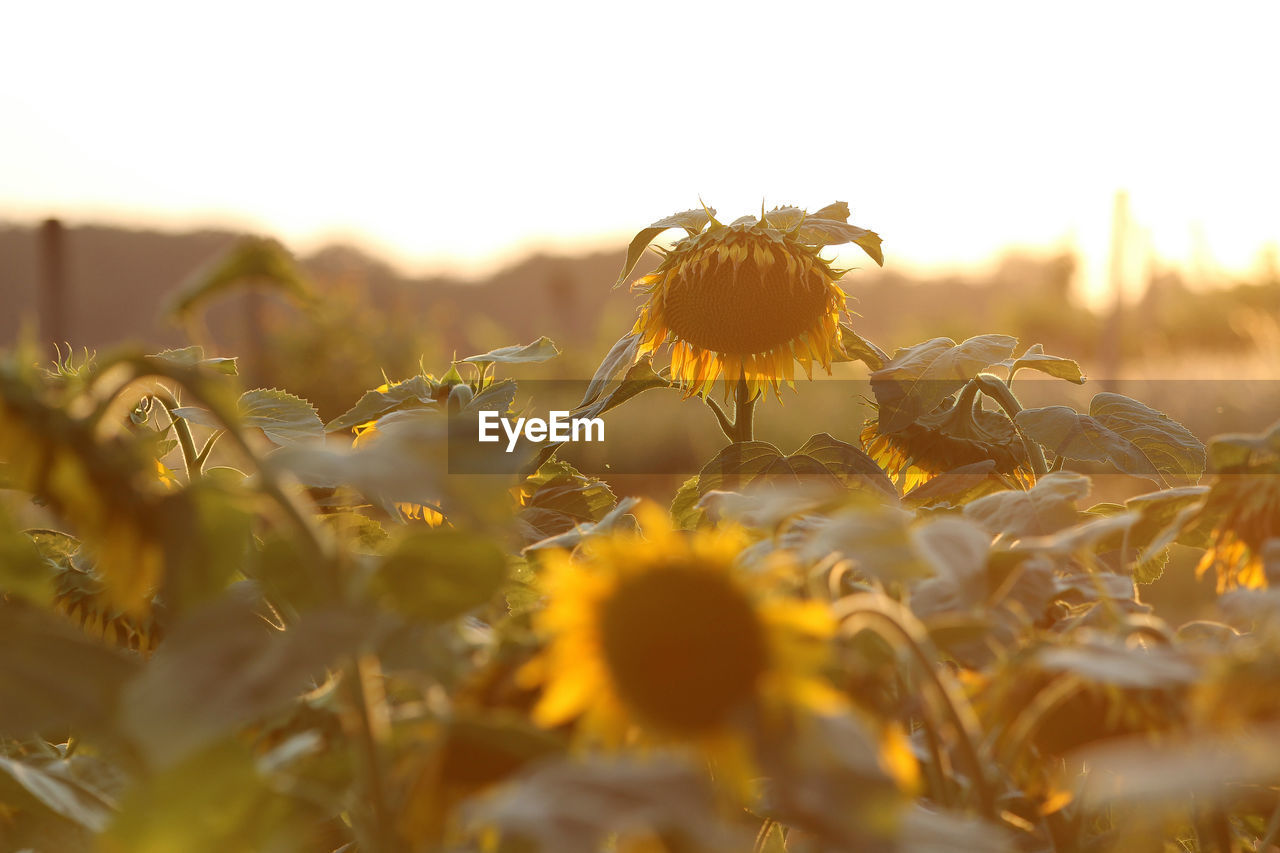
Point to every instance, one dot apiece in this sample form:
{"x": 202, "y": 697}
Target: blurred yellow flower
{"x": 660, "y": 638}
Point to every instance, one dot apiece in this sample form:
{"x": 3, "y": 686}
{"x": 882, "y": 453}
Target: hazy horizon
{"x": 448, "y": 138}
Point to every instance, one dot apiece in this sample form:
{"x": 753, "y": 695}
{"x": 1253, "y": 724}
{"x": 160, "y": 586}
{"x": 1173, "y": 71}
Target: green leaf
{"x": 1170, "y": 447}
{"x": 691, "y": 221}
{"x": 917, "y": 379}
{"x": 1049, "y": 507}
{"x": 53, "y": 784}
{"x": 193, "y": 356}
{"x": 558, "y": 497}
{"x": 251, "y": 261}
{"x": 360, "y": 532}
{"x": 585, "y": 530}
{"x": 375, "y": 404}
{"x": 24, "y": 570}
{"x": 1035, "y": 358}
{"x": 1136, "y": 439}
{"x": 877, "y": 540}
{"x": 539, "y": 351}
{"x": 685, "y": 513}
{"x": 225, "y": 666}
{"x": 1107, "y": 661}
{"x": 576, "y": 806}
{"x": 52, "y": 675}
{"x": 215, "y": 801}
{"x": 958, "y": 486}
{"x": 745, "y": 463}
{"x": 439, "y": 575}
{"x": 788, "y": 217}
{"x": 498, "y": 397}
{"x": 207, "y": 533}
{"x": 955, "y": 548}
{"x": 850, "y": 465}
{"x": 285, "y": 419}
{"x": 1243, "y": 452}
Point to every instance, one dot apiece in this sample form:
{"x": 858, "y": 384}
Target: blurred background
{"x": 1099, "y": 178}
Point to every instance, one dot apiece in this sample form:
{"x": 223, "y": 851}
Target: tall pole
{"x": 53, "y": 283}
{"x": 1111, "y": 351}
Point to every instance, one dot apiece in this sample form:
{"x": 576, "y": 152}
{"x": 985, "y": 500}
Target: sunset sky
{"x": 456, "y": 134}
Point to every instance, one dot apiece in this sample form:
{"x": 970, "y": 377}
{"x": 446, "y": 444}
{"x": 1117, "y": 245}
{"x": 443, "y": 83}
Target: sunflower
{"x": 746, "y": 300}
{"x": 1243, "y": 505}
{"x": 955, "y": 434}
{"x": 660, "y": 638}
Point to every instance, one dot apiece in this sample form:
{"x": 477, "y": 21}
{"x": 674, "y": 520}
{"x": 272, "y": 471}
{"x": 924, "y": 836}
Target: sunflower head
{"x": 660, "y": 637}
{"x": 957, "y": 433}
{"x": 745, "y": 301}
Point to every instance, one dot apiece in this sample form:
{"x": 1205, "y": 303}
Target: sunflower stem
{"x": 899, "y": 627}
{"x": 191, "y": 460}
{"x": 745, "y": 410}
{"x": 995, "y": 388}
{"x": 726, "y": 425}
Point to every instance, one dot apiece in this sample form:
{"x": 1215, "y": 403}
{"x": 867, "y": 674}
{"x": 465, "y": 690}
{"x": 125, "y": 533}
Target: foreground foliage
{"x": 913, "y": 634}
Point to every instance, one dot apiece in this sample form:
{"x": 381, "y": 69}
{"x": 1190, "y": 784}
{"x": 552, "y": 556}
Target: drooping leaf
{"x": 193, "y": 356}
{"x": 535, "y": 353}
{"x": 1035, "y": 358}
{"x": 440, "y": 574}
{"x": 691, "y": 221}
{"x": 860, "y": 349}
{"x": 640, "y": 377}
{"x": 250, "y": 261}
{"x": 620, "y": 356}
{"x": 917, "y": 379}
{"x": 826, "y": 232}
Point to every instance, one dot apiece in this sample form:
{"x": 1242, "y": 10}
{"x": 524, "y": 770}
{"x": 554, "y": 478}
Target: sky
{"x": 460, "y": 135}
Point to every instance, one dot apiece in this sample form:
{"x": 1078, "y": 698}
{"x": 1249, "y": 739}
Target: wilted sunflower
{"x": 661, "y": 638}
{"x": 746, "y": 300}
{"x": 1243, "y": 505}
{"x": 956, "y": 433}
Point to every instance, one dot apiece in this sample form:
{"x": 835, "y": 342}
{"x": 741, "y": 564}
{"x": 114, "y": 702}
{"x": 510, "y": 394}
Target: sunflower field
{"x": 226, "y": 625}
